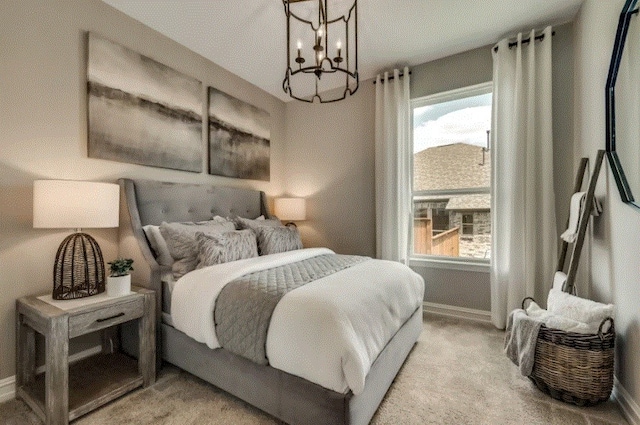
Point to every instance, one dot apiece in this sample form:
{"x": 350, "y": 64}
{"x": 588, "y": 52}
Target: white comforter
{"x": 328, "y": 331}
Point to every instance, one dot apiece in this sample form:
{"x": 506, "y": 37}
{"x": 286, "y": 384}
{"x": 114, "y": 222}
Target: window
{"x": 451, "y": 174}
{"x": 467, "y": 224}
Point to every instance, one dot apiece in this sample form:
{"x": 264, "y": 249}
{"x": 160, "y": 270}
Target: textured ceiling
{"x": 248, "y": 37}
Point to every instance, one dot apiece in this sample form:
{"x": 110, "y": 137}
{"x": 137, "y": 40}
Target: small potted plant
{"x": 119, "y": 280}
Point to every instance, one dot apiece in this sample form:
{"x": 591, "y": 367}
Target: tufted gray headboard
{"x": 160, "y": 201}
{"x": 145, "y": 202}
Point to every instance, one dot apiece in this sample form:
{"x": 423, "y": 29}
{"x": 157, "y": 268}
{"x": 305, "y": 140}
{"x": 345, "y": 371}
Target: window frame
{"x": 440, "y": 261}
{"x": 467, "y": 225}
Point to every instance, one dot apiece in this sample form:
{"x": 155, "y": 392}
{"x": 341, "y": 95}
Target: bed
{"x": 286, "y": 396}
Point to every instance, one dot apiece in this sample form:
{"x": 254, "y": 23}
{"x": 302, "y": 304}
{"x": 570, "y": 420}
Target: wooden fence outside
{"x": 445, "y": 243}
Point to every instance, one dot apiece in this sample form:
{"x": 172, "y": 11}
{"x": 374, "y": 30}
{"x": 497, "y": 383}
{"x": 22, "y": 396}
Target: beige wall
{"x": 330, "y": 161}
{"x": 43, "y": 121}
{"x": 453, "y": 72}
{"x": 613, "y": 256}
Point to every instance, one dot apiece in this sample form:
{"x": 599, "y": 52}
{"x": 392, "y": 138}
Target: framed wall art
{"x": 141, "y": 111}
{"x": 239, "y": 138}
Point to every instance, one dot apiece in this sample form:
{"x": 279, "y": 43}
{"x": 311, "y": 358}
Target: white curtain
{"x": 524, "y": 240}
{"x": 393, "y": 166}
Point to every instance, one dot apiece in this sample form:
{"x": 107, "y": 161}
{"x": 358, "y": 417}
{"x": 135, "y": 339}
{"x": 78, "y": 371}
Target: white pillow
{"x": 158, "y": 244}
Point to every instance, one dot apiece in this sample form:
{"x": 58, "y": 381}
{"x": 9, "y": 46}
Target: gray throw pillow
{"x": 225, "y": 247}
{"x": 272, "y": 240}
{"x": 158, "y": 245}
{"x": 245, "y": 223}
{"x": 181, "y": 240}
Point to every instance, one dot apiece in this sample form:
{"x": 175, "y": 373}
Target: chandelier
{"x": 322, "y": 50}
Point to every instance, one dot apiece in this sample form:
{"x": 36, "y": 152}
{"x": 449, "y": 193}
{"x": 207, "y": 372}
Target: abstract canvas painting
{"x": 239, "y": 138}
{"x": 141, "y": 111}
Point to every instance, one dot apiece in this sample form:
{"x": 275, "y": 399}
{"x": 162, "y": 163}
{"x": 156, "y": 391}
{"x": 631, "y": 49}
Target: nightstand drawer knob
{"x": 110, "y": 317}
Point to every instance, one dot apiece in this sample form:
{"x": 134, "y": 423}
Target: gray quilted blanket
{"x": 244, "y": 306}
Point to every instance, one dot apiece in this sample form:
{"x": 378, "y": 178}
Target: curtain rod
{"x": 391, "y": 77}
{"x": 525, "y": 41}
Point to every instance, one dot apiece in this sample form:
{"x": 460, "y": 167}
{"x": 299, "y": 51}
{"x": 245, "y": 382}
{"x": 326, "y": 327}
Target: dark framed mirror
{"x": 623, "y": 105}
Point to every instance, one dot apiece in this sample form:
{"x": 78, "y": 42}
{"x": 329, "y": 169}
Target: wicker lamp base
{"x": 79, "y": 268}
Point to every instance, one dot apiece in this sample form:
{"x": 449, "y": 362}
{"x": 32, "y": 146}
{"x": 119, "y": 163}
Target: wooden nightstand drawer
{"x": 91, "y": 321}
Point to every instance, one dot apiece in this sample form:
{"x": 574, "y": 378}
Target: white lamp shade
{"x": 59, "y": 204}
{"x": 292, "y": 209}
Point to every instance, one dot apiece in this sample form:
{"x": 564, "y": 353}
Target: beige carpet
{"x": 456, "y": 374}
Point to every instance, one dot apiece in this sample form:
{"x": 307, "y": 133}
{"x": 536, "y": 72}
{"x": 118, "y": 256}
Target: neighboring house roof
{"x": 455, "y": 166}
{"x": 470, "y": 202}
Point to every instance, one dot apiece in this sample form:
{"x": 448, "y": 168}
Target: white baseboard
{"x": 630, "y": 408}
{"x": 8, "y": 385}
{"x": 7, "y": 389}
{"x": 458, "y": 312}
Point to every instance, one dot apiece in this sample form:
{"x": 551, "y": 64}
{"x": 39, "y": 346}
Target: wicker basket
{"x": 572, "y": 367}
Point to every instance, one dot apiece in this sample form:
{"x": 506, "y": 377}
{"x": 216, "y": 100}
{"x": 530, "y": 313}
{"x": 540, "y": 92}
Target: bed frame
{"x": 285, "y": 396}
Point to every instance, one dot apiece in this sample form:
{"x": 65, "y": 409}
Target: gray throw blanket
{"x": 244, "y": 306}
{"x": 520, "y": 340}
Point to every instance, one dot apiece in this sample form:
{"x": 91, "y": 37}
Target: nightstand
{"x": 64, "y": 392}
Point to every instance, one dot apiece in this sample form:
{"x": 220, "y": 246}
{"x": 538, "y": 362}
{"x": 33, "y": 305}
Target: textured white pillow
{"x": 181, "y": 240}
{"x": 272, "y": 240}
{"x": 225, "y": 247}
{"x": 158, "y": 244}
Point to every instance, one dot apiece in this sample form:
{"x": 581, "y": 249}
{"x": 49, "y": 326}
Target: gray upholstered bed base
{"x": 287, "y": 397}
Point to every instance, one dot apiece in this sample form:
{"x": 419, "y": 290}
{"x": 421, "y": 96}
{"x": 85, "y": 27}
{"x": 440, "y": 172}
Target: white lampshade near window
{"x": 290, "y": 209}
{"x": 62, "y": 204}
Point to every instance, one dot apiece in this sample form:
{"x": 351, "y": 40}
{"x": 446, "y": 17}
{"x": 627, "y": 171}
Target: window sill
{"x": 478, "y": 265}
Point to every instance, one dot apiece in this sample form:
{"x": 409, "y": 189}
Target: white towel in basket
{"x": 586, "y": 311}
{"x": 556, "y": 321}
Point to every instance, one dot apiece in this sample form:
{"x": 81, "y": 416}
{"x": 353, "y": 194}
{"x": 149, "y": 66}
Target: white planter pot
{"x": 118, "y": 286}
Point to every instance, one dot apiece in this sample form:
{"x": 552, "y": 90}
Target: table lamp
{"x": 58, "y": 204}
{"x": 290, "y": 209}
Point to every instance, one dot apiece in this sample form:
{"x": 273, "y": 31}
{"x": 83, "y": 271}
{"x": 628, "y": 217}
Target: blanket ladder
{"x": 569, "y": 285}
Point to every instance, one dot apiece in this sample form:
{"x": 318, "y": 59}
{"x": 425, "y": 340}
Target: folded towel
{"x": 576, "y": 308}
{"x": 571, "y": 233}
{"x": 520, "y": 340}
{"x": 558, "y": 280}
{"x": 536, "y": 312}
{"x": 575, "y": 211}
{"x": 555, "y": 321}
{"x": 569, "y": 325}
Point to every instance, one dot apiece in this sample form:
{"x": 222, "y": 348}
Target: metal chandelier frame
{"x": 322, "y": 64}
